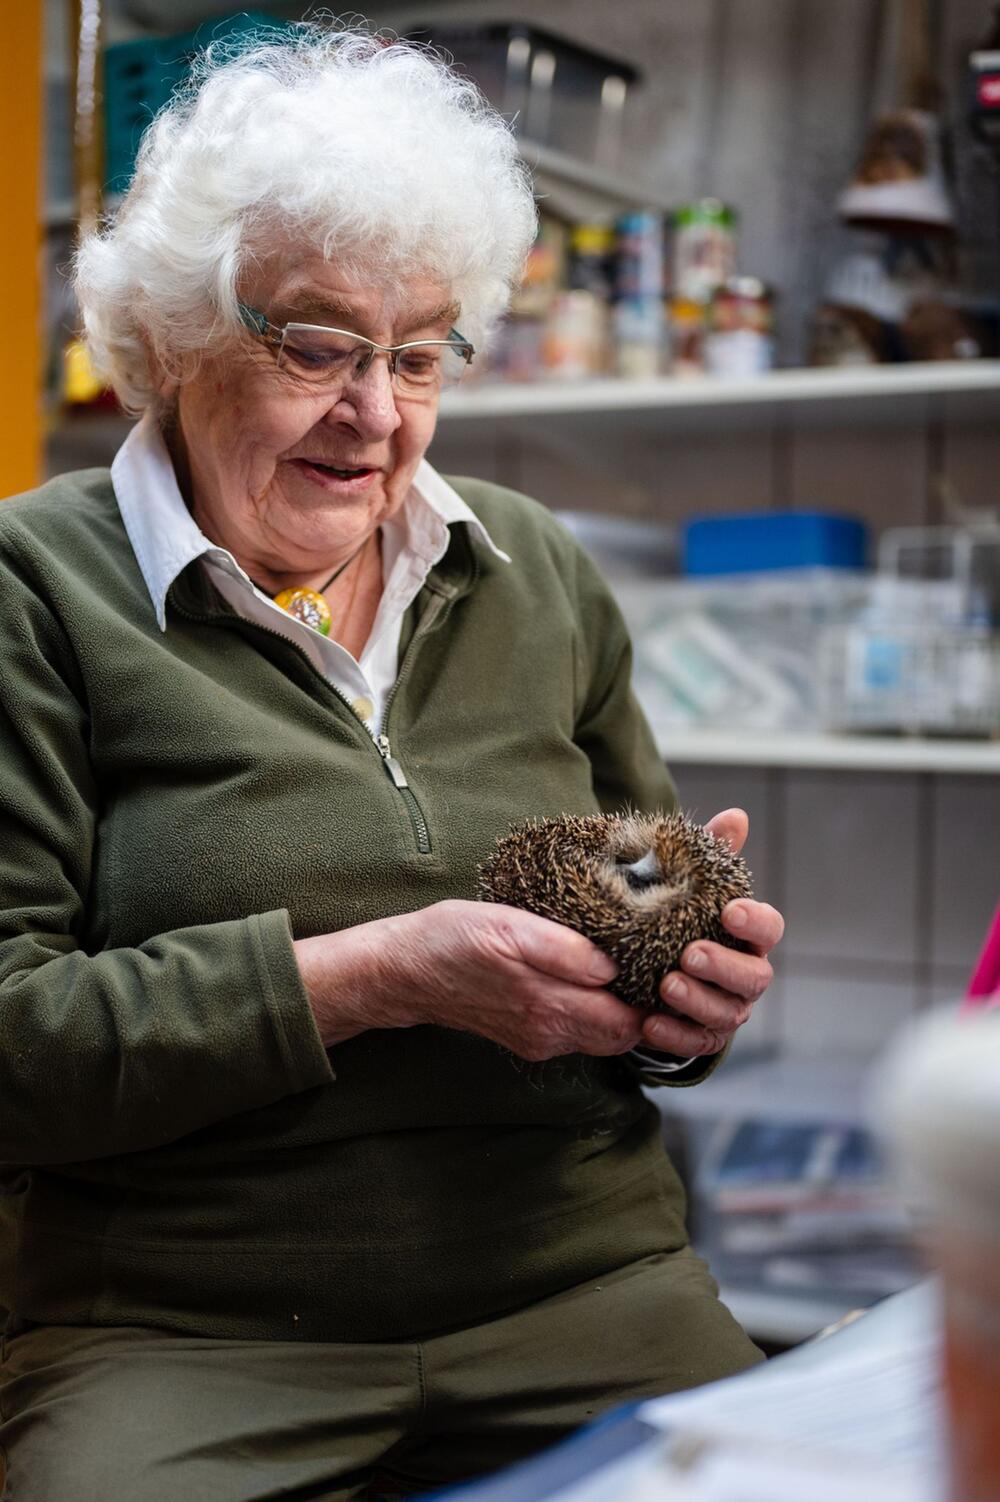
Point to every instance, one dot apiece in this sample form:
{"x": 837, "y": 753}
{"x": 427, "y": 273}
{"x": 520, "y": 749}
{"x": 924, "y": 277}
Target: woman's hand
{"x": 531, "y": 985}
{"x": 716, "y": 987}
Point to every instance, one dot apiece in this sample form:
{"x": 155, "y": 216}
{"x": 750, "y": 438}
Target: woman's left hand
{"x": 715, "y": 989}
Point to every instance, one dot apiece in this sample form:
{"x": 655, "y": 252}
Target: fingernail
{"x": 658, "y": 1034}
{"x": 675, "y": 988}
{"x": 695, "y": 959}
{"x": 602, "y": 968}
{"x": 736, "y": 917}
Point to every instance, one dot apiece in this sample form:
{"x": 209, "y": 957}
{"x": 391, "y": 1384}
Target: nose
{"x": 372, "y": 401}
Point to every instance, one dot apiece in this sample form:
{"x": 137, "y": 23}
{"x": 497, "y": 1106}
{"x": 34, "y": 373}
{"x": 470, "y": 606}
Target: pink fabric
{"x": 984, "y": 987}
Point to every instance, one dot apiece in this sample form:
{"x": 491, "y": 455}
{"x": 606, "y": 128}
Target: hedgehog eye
{"x": 641, "y": 873}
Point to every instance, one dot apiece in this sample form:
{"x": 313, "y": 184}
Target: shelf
{"x": 579, "y": 190}
{"x": 863, "y": 753}
{"x": 783, "y": 1318}
{"x": 815, "y": 391}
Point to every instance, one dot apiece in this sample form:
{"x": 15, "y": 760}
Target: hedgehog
{"x": 639, "y": 886}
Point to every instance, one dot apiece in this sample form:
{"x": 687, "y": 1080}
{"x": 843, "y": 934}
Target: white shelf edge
{"x": 928, "y": 378}
{"x": 881, "y": 753}
{"x": 784, "y": 1317}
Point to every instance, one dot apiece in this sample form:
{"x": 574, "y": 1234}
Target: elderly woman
{"x": 316, "y": 1167}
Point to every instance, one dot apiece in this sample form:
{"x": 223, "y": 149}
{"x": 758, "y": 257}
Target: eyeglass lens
{"x": 327, "y": 355}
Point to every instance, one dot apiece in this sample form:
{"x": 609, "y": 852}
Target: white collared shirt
{"x": 165, "y": 539}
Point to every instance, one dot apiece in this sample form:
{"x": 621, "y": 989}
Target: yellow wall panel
{"x": 21, "y": 345}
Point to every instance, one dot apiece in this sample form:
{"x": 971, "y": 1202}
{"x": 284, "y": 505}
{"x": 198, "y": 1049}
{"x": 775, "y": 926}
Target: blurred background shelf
{"x": 873, "y": 395}
{"x": 883, "y": 753}
{"x": 870, "y": 390}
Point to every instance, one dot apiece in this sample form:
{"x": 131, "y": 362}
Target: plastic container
{"x": 941, "y": 1104}
{"x": 773, "y": 540}
{"x": 735, "y": 650}
{"x": 140, "y": 77}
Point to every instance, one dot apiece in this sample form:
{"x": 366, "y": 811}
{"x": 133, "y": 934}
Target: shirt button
{"x": 363, "y": 708}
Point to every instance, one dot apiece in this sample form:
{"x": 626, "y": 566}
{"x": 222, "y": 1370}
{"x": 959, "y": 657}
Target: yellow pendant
{"x": 307, "y": 606}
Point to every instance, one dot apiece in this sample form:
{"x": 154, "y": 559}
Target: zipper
{"x": 392, "y": 766}
{"x": 381, "y": 744}
{"x": 398, "y": 776}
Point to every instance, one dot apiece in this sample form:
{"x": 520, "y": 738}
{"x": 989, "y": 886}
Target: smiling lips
{"x": 328, "y": 473}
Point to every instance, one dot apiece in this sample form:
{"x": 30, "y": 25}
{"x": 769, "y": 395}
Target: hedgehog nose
{"x": 642, "y": 873}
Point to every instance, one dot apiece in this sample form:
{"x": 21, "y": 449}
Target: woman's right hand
{"x": 533, "y": 986}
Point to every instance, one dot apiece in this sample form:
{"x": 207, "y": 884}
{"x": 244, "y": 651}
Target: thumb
{"x": 733, "y": 826}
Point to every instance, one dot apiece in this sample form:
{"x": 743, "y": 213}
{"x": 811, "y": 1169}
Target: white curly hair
{"x": 371, "y": 151}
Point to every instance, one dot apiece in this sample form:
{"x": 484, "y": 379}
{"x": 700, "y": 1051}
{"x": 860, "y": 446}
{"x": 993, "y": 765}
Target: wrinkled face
{"x": 291, "y": 477}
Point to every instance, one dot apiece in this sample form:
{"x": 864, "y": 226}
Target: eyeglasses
{"x": 323, "y": 356}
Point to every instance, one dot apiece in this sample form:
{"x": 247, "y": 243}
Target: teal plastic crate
{"x": 140, "y": 77}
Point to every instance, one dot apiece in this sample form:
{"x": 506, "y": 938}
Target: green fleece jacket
{"x": 178, "y": 1148}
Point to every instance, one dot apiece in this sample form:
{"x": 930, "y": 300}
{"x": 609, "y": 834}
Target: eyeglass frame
{"x": 274, "y": 335}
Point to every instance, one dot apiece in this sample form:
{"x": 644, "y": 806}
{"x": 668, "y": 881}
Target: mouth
{"x": 342, "y": 473}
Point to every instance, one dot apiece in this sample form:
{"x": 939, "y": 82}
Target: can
{"x": 638, "y": 325}
{"x": 704, "y": 253}
{"x": 639, "y": 253}
{"x": 590, "y": 265}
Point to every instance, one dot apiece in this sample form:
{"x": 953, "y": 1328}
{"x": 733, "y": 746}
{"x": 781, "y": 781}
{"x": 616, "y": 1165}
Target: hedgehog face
{"x": 642, "y": 871}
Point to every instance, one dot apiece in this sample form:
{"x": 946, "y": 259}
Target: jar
{"x": 575, "y": 342}
{"x": 740, "y": 340}
{"x": 687, "y": 336}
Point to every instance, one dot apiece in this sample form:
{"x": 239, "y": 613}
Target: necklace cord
{"x": 340, "y": 569}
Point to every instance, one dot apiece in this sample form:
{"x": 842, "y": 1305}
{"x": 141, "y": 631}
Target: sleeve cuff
{"x": 295, "y": 1028}
{"x": 652, "y": 1068}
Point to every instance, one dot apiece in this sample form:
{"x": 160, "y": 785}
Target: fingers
{"x": 733, "y": 826}
{"x": 680, "y": 1036}
{"x": 550, "y": 948}
{"x": 603, "y": 1025}
{"x": 756, "y": 923}
{"x": 720, "y": 1011}
{"x": 744, "y": 975}
{"x": 714, "y": 993}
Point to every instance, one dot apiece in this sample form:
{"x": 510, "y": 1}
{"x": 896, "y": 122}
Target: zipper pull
{"x": 391, "y": 764}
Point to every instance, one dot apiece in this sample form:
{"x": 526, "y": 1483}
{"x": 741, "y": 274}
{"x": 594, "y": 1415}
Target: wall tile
{"x": 876, "y": 474}
{"x": 965, "y": 867}
{"x": 848, "y": 1012}
{"x": 850, "y": 851}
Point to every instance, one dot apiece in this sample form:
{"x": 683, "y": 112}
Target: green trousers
{"x": 141, "y": 1415}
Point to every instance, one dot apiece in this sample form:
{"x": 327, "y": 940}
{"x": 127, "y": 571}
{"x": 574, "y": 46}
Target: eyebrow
{"x": 304, "y": 309}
